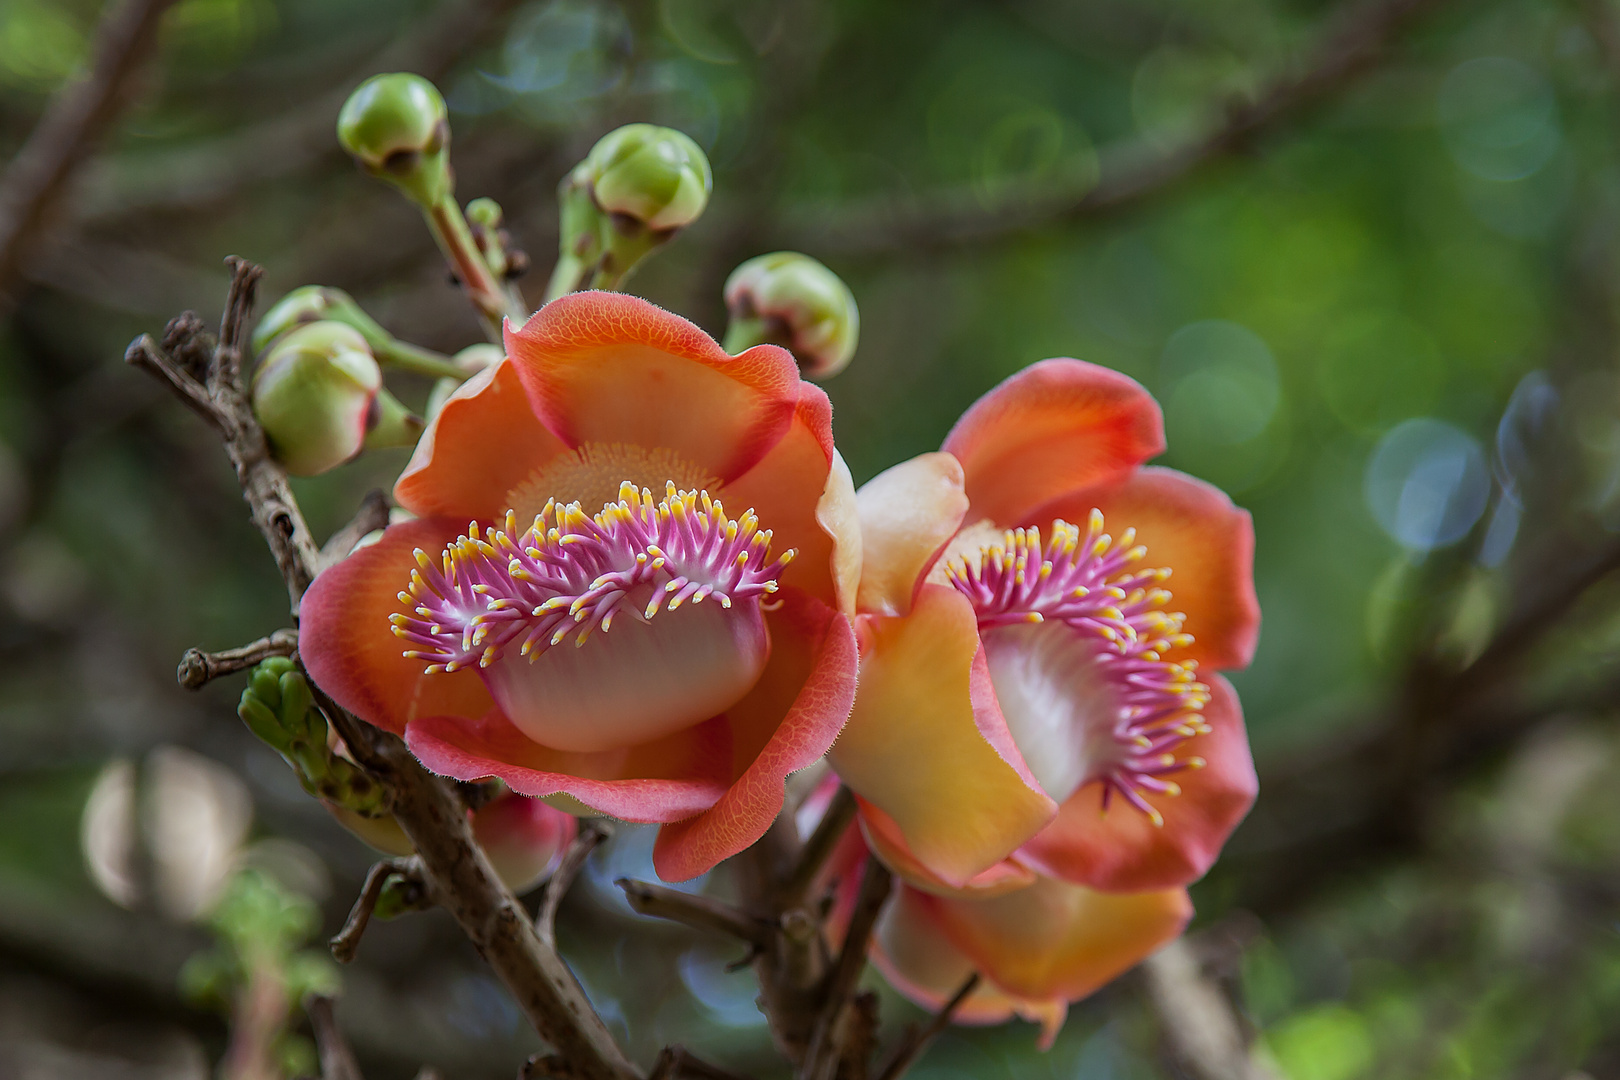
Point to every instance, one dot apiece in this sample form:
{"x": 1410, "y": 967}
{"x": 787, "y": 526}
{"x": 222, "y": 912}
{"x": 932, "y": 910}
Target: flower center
{"x": 1075, "y": 636}
{"x": 507, "y": 602}
{"x": 592, "y": 474}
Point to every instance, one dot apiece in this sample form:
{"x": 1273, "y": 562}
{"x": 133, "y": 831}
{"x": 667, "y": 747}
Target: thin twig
{"x": 911, "y": 1047}
{"x": 821, "y": 1060}
{"x": 591, "y": 836}
{"x": 675, "y": 1062}
{"x": 74, "y": 123}
{"x": 337, "y": 1058}
{"x": 347, "y": 941}
{"x": 829, "y": 830}
{"x": 198, "y": 668}
{"x": 1128, "y": 175}
{"x": 371, "y": 516}
{"x": 701, "y": 912}
{"x": 144, "y": 353}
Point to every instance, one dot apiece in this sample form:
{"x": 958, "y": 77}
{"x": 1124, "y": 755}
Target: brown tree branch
{"x": 822, "y": 1059}
{"x": 428, "y": 808}
{"x": 337, "y": 1058}
{"x": 837, "y": 818}
{"x": 74, "y": 123}
{"x": 1128, "y": 174}
{"x": 699, "y": 912}
{"x": 198, "y": 668}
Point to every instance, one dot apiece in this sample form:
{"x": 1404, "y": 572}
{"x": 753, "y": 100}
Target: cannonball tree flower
{"x": 1036, "y": 946}
{"x": 654, "y": 622}
{"x": 1036, "y": 949}
{"x": 1034, "y": 700}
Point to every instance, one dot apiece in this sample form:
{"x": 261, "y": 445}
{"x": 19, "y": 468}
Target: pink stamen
{"x": 572, "y": 571}
{"x": 1090, "y": 584}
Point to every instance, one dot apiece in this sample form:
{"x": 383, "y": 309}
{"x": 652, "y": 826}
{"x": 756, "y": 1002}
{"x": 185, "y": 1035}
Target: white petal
{"x": 639, "y": 681}
{"x": 1057, "y": 703}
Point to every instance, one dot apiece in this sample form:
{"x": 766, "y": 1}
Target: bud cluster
{"x": 277, "y": 706}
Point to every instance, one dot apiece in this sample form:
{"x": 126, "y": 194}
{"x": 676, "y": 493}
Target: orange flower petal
{"x": 1122, "y": 851}
{"x": 883, "y": 837}
{"x": 1055, "y": 426}
{"x": 484, "y": 442}
{"x": 927, "y": 744}
{"x": 917, "y": 958}
{"x": 349, "y": 647}
{"x": 1193, "y": 528}
{"x": 608, "y": 368}
{"x": 1055, "y": 940}
{"x": 783, "y": 725}
{"x": 908, "y": 514}
{"x": 802, "y": 492}
{"x": 666, "y": 780}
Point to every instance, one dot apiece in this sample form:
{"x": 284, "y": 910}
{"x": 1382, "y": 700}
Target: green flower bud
{"x": 316, "y": 303}
{"x": 655, "y": 175}
{"x": 318, "y": 394}
{"x": 397, "y": 127}
{"x": 792, "y": 300}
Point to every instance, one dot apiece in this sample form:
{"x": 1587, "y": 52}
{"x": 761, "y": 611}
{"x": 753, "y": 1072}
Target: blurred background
{"x": 1367, "y": 255}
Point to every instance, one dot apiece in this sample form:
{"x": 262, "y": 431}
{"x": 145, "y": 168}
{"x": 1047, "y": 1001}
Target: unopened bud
{"x": 524, "y": 838}
{"x": 656, "y": 175}
{"x": 315, "y": 303}
{"x": 792, "y": 300}
{"x": 398, "y": 128}
{"x": 319, "y": 396}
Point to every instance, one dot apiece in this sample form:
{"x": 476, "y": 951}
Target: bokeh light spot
{"x": 1427, "y": 484}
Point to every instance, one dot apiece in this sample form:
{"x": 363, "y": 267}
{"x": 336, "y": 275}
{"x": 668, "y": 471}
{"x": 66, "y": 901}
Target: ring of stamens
{"x": 573, "y": 572}
{"x": 1094, "y": 585}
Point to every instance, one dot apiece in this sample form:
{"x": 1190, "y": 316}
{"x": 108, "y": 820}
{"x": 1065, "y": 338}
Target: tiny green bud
{"x": 656, "y": 175}
{"x": 398, "y": 128}
{"x": 315, "y": 303}
{"x": 791, "y": 299}
{"x": 315, "y": 393}
{"x": 484, "y": 213}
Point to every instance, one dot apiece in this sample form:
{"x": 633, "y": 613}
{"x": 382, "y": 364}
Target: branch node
{"x": 198, "y": 668}
{"x": 347, "y": 942}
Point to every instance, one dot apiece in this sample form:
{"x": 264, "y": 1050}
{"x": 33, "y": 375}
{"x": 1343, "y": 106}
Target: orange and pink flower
{"x": 1036, "y": 948}
{"x": 617, "y": 636}
{"x": 1032, "y": 704}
